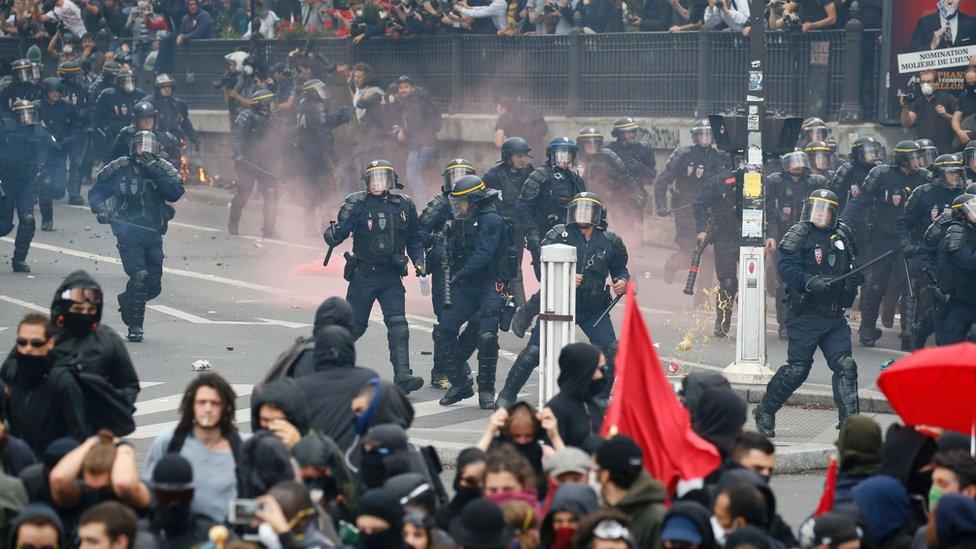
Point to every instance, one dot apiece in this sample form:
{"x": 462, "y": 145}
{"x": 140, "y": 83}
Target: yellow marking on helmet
{"x": 262, "y": 97}
{"x": 817, "y": 148}
{"x": 468, "y": 166}
{"x": 827, "y": 200}
{"x": 471, "y": 190}
{"x": 587, "y": 199}
{"x": 69, "y": 69}
{"x": 903, "y": 150}
{"x": 374, "y": 168}
{"x": 630, "y": 124}
{"x": 590, "y": 135}
{"x": 312, "y": 84}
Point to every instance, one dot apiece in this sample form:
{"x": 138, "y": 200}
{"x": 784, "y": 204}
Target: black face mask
{"x": 597, "y": 386}
{"x": 919, "y": 483}
{"x": 381, "y": 540}
{"x": 77, "y": 324}
{"x": 465, "y": 494}
{"x": 372, "y": 469}
{"x": 172, "y": 517}
{"x": 31, "y": 370}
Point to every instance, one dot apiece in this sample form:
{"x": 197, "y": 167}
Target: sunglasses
{"x": 81, "y": 295}
{"x": 36, "y": 342}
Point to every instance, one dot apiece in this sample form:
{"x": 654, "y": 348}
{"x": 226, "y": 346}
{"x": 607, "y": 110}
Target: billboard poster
{"x": 937, "y": 35}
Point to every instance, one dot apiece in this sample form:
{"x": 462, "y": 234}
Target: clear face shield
{"x": 795, "y": 162}
{"x": 821, "y": 212}
{"x": 35, "y": 74}
{"x": 22, "y": 74}
{"x": 379, "y": 180}
{"x": 928, "y": 156}
{"x": 584, "y": 212}
{"x": 953, "y": 177}
{"x": 126, "y": 83}
{"x": 703, "y": 136}
{"x": 590, "y": 145}
{"x": 969, "y": 209}
{"x": 821, "y": 160}
{"x": 460, "y": 206}
{"x": 969, "y": 155}
{"x": 26, "y": 116}
{"x": 816, "y": 133}
{"x": 144, "y": 143}
{"x": 456, "y": 172}
{"x": 870, "y": 152}
{"x": 913, "y": 160}
{"x": 627, "y": 136}
{"x": 563, "y": 157}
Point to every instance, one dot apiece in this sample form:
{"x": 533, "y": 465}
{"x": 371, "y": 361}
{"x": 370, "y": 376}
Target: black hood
{"x": 906, "y": 452}
{"x": 265, "y": 462}
{"x": 77, "y": 278}
{"x": 392, "y": 406}
{"x": 697, "y": 382}
{"x": 286, "y": 394}
{"x": 719, "y": 417}
{"x": 334, "y": 311}
{"x": 577, "y": 363}
{"x": 334, "y": 348}
{"x": 35, "y": 510}
{"x": 748, "y": 477}
{"x": 699, "y": 515}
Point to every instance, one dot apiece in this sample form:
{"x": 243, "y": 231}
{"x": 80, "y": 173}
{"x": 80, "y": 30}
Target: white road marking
{"x": 172, "y": 402}
{"x": 144, "y": 384}
{"x": 152, "y": 431}
{"x": 24, "y": 304}
{"x": 189, "y": 317}
{"x": 3, "y": 328}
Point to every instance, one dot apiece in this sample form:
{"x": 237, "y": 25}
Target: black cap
{"x": 173, "y": 473}
{"x": 57, "y": 450}
{"x": 481, "y": 524}
{"x": 834, "y": 529}
{"x": 318, "y": 450}
{"x": 404, "y": 79}
{"x": 381, "y": 503}
{"x": 620, "y": 456}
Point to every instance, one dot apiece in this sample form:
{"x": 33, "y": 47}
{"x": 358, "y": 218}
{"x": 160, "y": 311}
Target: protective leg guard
{"x": 787, "y": 379}
{"x": 526, "y": 362}
{"x": 487, "y": 363}
{"x": 845, "y": 389}
{"x": 398, "y": 339}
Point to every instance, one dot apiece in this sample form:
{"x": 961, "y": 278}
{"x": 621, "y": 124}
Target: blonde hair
{"x": 524, "y": 520}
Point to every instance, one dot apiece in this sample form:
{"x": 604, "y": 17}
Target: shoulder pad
{"x": 532, "y": 183}
{"x": 925, "y": 173}
{"x": 349, "y": 203}
{"x": 407, "y": 201}
{"x": 168, "y": 169}
{"x": 244, "y": 118}
{"x": 106, "y": 93}
{"x": 818, "y": 181}
{"x": 871, "y": 181}
{"x": 676, "y": 156}
{"x": 112, "y": 168}
{"x": 355, "y": 197}
{"x": 613, "y": 237}
{"x": 843, "y": 170}
{"x": 794, "y": 237}
{"x": 955, "y": 237}
{"x": 614, "y": 158}
{"x": 933, "y": 234}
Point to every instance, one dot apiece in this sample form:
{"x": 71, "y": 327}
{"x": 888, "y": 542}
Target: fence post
{"x": 704, "y": 105}
{"x": 457, "y": 93}
{"x": 850, "y": 106}
{"x": 573, "y": 106}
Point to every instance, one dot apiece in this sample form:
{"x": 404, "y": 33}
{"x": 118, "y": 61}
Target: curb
{"x": 870, "y": 403}
{"x": 803, "y": 458}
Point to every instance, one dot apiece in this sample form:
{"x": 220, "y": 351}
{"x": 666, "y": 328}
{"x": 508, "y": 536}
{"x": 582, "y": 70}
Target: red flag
{"x": 645, "y": 408}
{"x": 830, "y": 487}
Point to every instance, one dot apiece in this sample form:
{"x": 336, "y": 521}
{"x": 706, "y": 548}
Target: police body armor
{"x": 75, "y": 94}
{"x": 607, "y": 175}
{"x": 725, "y": 212}
{"x": 786, "y": 197}
{"x": 959, "y": 282}
{"x": 118, "y": 110}
{"x": 509, "y": 183}
{"x": 136, "y": 201}
{"x": 21, "y": 150}
{"x": 558, "y": 187}
{"x": 848, "y": 181}
{"x": 831, "y": 254}
{"x": 17, "y": 91}
{"x": 891, "y": 189}
{"x": 170, "y": 114}
{"x": 934, "y": 200}
{"x": 250, "y": 136}
{"x": 691, "y": 168}
{"x": 380, "y": 245}
{"x": 432, "y": 220}
{"x": 592, "y": 261}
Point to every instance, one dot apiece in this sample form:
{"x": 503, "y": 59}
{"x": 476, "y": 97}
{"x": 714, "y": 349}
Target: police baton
{"x": 908, "y": 278}
{"x": 611, "y": 306}
{"x": 257, "y": 168}
{"x": 861, "y": 268}
{"x": 328, "y": 254}
{"x": 693, "y": 269}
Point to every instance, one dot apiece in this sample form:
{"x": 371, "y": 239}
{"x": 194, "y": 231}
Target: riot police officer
{"x": 848, "y": 180}
{"x": 638, "y": 157}
{"x": 508, "y": 178}
{"x": 113, "y": 111}
{"x": 686, "y": 173}
{"x": 75, "y": 148}
{"x": 21, "y": 88}
{"x": 172, "y": 114}
{"x": 820, "y": 159}
{"x": 924, "y": 206}
{"x": 814, "y": 253}
{"x": 254, "y": 147}
{"x": 105, "y": 80}
{"x": 813, "y": 129}
{"x": 476, "y": 247}
{"x": 61, "y": 121}
{"x": 882, "y": 200}
{"x": 786, "y": 193}
{"x": 383, "y": 225}
{"x": 144, "y": 119}
{"x": 607, "y": 175}
{"x": 600, "y": 254}
{"x": 131, "y": 194}
{"x": 314, "y": 146}
{"x": 929, "y": 152}
{"x": 956, "y": 267}
{"x": 547, "y": 193}
{"x": 431, "y": 224}
{"x": 969, "y": 158}
{"x": 25, "y": 147}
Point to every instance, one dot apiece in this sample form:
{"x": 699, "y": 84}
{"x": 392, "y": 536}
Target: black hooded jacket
{"x": 576, "y": 416}
{"x": 31, "y": 511}
{"x": 699, "y": 515}
{"x": 285, "y": 394}
{"x": 777, "y": 528}
{"x": 719, "y": 417}
{"x": 297, "y": 360}
{"x": 99, "y": 351}
{"x": 329, "y": 390}
{"x": 47, "y": 408}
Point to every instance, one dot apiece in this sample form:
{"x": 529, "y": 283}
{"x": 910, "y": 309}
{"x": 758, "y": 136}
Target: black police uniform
{"x": 956, "y": 268}
{"x": 603, "y": 255}
{"x": 173, "y": 116}
{"x": 816, "y": 318}
{"x": 315, "y": 149}
{"x": 783, "y": 203}
{"x": 24, "y": 152}
{"x": 382, "y": 228}
{"x": 686, "y": 173}
{"x": 16, "y": 91}
{"x": 607, "y": 175}
{"x": 847, "y": 182}
{"x": 926, "y": 203}
{"x": 509, "y": 182}
{"x": 75, "y": 147}
{"x": 131, "y": 193}
{"x": 542, "y": 204}
{"x": 252, "y": 141}
{"x": 169, "y": 145}
{"x": 473, "y": 245}
{"x": 639, "y": 160}
{"x": 882, "y": 199}
{"x": 61, "y": 120}
{"x": 112, "y": 113}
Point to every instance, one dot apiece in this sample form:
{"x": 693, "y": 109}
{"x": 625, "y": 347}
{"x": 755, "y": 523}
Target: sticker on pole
{"x": 752, "y": 185}
{"x": 752, "y": 223}
{"x": 755, "y": 81}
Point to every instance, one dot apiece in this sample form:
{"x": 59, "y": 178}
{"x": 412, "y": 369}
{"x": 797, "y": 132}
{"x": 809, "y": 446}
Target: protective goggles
{"x": 81, "y": 295}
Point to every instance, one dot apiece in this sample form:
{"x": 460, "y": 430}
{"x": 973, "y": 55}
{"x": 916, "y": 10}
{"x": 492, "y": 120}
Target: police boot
{"x": 124, "y": 310}
{"x": 526, "y": 362}
{"x": 47, "y": 225}
{"x": 76, "y": 200}
{"x": 438, "y": 374}
{"x": 868, "y": 335}
{"x": 20, "y": 266}
{"x": 236, "y": 209}
{"x": 398, "y": 338}
{"x": 785, "y": 382}
{"x": 135, "y": 303}
{"x": 487, "y": 363}
{"x": 765, "y": 421}
{"x": 524, "y": 315}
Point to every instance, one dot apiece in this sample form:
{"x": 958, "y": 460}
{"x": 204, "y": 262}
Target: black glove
{"x": 102, "y": 215}
{"x": 817, "y": 284}
{"x": 856, "y": 279}
{"x": 908, "y": 249}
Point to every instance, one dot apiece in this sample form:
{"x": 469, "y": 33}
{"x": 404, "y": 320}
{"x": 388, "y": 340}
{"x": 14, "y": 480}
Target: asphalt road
{"x": 236, "y": 301}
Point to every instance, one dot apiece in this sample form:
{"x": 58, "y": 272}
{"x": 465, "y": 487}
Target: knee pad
{"x": 154, "y": 287}
{"x": 488, "y": 341}
{"x": 846, "y": 367}
{"x": 439, "y": 335}
{"x": 28, "y": 221}
{"x": 140, "y": 279}
{"x": 396, "y": 323}
{"x": 796, "y": 371}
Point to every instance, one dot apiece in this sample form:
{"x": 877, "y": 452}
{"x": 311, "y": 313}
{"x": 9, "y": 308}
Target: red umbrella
{"x": 934, "y": 386}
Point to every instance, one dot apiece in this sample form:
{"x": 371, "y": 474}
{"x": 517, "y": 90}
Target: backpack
{"x": 105, "y": 406}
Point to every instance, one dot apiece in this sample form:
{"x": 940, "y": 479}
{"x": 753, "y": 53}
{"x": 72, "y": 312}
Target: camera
{"x": 228, "y": 81}
{"x": 792, "y": 24}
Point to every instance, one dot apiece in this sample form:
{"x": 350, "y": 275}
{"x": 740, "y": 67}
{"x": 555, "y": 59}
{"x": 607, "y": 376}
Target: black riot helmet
{"x": 50, "y": 84}
{"x": 589, "y": 141}
{"x": 21, "y": 70}
{"x": 379, "y": 177}
{"x": 969, "y": 210}
{"x": 261, "y": 100}
{"x": 969, "y": 156}
{"x": 795, "y": 160}
{"x": 164, "y": 80}
{"x": 585, "y": 209}
{"x": 455, "y": 170}
{"x": 125, "y": 81}
{"x": 820, "y": 209}
{"x": 467, "y": 192}
{"x": 561, "y": 152}
{"x": 701, "y": 133}
{"x": 814, "y": 129}
{"x": 144, "y": 110}
{"x": 144, "y": 143}
{"x": 24, "y": 112}
{"x": 819, "y": 153}
{"x": 314, "y": 89}
{"x": 951, "y": 171}
{"x": 866, "y": 150}
{"x": 929, "y": 151}
{"x": 69, "y": 71}
{"x": 908, "y": 154}
{"x": 110, "y": 70}
{"x": 513, "y": 146}
{"x": 957, "y": 203}
{"x": 625, "y": 129}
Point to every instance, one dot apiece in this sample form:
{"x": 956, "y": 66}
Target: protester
{"x": 108, "y": 524}
{"x": 107, "y": 468}
{"x": 570, "y": 465}
{"x": 907, "y": 457}
{"x": 686, "y": 524}
{"x": 508, "y": 472}
{"x": 755, "y": 452}
{"x": 281, "y": 408}
{"x": 955, "y": 522}
{"x": 377, "y": 402}
{"x": 719, "y": 417}
{"x": 534, "y": 435}
{"x": 288, "y": 509}
{"x": 332, "y": 487}
{"x": 608, "y": 529}
{"x": 265, "y": 461}
{"x": 37, "y": 526}
{"x": 740, "y": 505}
{"x": 35, "y": 477}
{"x": 625, "y": 486}
{"x": 481, "y": 525}
{"x": 467, "y": 485}
{"x": 379, "y": 520}
{"x": 171, "y": 521}
{"x": 570, "y": 505}
{"x": 834, "y": 531}
{"x": 859, "y": 448}
{"x": 581, "y": 378}
{"x": 884, "y": 504}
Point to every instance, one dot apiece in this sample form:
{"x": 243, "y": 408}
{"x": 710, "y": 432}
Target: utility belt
{"x": 593, "y": 299}
{"x": 397, "y": 264}
{"x": 800, "y": 303}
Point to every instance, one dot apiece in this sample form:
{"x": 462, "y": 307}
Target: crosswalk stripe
{"x": 172, "y": 402}
{"x": 153, "y": 430}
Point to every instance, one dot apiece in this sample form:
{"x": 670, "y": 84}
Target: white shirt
{"x": 267, "y": 29}
{"x": 69, "y": 14}
{"x": 496, "y": 11}
{"x": 736, "y": 18}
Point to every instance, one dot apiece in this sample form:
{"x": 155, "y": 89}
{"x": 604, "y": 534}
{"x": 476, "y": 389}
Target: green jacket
{"x": 644, "y": 504}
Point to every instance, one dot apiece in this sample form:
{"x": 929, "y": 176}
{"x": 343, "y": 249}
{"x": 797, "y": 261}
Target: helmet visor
{"x": 928, "y": 155}
{"x": 584, "y": 211}
{"x": 870, "y": 152}
{"x": 703, "y": 136}
{"x": 821, "y": 212}
{"x": 912, "y": 160}
{"x": 562, "y": 158}
{"x": 969, "y": 208}
{"x": 22, "y": 74}
{"x": 456, "y": 172}
{"x": 126, "y": 83}
{"x": 969, "y": 155}
{"x": 821, "y": 160}
{"x": 816, "y": 133}
{"x": 322, "y": 92}
{"x": 590, "y": 145}
{"x": 144, "y": 143}
{"x": 953, "y": 178}
{"x": 379, "y": 180}
{"x": 460, "y": 206}
{"x": 26, "y": 115}
{"x": 81, "y": 295}
{"x": 35, "y": 74}
{"x": 796, "y": 160}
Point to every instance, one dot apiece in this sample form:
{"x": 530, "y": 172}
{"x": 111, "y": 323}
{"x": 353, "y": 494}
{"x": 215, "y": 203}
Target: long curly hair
{"x": 227, "y": 397}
